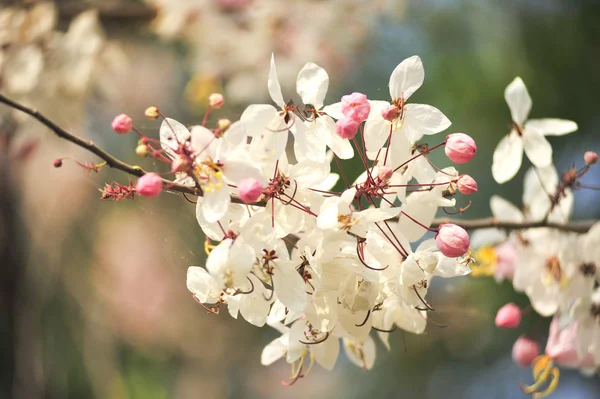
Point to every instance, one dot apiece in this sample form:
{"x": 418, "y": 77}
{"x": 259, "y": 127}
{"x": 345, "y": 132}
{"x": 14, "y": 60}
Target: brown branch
{"x": 578, "y": 227}
{"x": 93, "y": 148}
{"x": 473, "y": 224}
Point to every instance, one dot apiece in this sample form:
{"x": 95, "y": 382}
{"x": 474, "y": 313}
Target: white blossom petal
{"x": 406, "y": 78}
{"x": 505, "y": 211}
{"x": 326, "y": 353}
{"x": 215, "y": 204}
{"x": 551, "y": 126}
{"x": 508, "y": 157}
{"x": 274, "y": 351}
{"x": 312, "y": 84}
{"x": 537, "y": 148}
{"x": 422, "y": 119}
{"x": 274, "y": 86}
{"x": 518, "y": 100}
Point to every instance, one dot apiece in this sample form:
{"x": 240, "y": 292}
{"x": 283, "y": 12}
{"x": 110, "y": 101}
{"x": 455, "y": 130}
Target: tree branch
{"x": 93, "y": 148}
{"x": 578, "y": 227}
{"x": 474, "y": 224}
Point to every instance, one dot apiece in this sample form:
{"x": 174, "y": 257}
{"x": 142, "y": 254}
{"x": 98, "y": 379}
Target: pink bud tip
{"x": 216, "y": 100}
{"x": 57, "y": 163}
{"x": 384, "y": 173}
{"x": 509, "y": 316}
{"x": 356, "y": 107}
{"x": 525, "y": 350}
{"x": 390, "y": 113}
{"x": 466, "y": 185}
{"x": 122, "y": 124}
{"x": 452, "y": 240}
{"x": 590, "y": 158}
{"x": 249, "y": 190}
{"x": 460, "y": 147}
{"x": 150, "y": 185}
{"x": 346, "y": 128}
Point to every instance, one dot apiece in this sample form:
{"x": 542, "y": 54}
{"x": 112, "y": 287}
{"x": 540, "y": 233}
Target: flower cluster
{"x": 229, "y": 41}
{"x": 37, "y": 59}
{"x": 555, "y": 267}
{"x": 286, "y": 251}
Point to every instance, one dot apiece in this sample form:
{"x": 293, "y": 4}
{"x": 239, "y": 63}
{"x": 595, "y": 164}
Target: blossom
{"x": 150, "y": 185}
{"x": 509, "y": 316}
{"x": 410, "y": 122}
{"x": 525, "y": 350}
{"x": 452, "y": 240}
{"x": 525, "y": 135}
{"x": 460, "y": 148}
{"x": 122, "y": 124}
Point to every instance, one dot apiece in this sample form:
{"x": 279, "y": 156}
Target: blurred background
{"x": 93, "y": 296}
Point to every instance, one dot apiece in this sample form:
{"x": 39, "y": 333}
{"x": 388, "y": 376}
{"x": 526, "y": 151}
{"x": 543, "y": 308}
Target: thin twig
{"x": 110, "y": 160}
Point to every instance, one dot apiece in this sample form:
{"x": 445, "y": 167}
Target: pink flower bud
{"x": 390, "y": 113}
{"x": 460, "y": 147}
{"x": 452, "y": 240}
{"x": 346, "y": 128}
{"x": 122, "y": 124}
{"x": 356, "y": 107}
{"x": 216, "y": 100}
{"x": 150, "y": 185}
{"x": 249, "y": 190}
{"x": 509, "y": 316}
{"x": 466, "y": 185}
{"x": 525, "y": 350}
{"x": 590, "y": 158}
{"x": 384, "y": 173}
{"x": 57, "y": 163}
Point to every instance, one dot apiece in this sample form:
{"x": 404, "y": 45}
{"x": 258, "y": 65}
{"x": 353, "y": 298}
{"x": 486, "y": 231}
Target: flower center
{"x": 553, "y": 271}
{"x": 345, "y": 222}
{"x": 210, "y": 174}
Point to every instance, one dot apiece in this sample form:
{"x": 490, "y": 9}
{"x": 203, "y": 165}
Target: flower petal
{"x": 422, "y": 119}
{"x": 312, "y": 84}
{"x": 508, "y": 157}
{"x": 551, "y": 126}
{"x": 171, "y": 134}
{"x": 215, "y": 204}
{"x": 518, "y": 100}
{"x": 504, "y": 210}
{"x": 407, "y": 78}
{"x": 274, "y": 86}
{"x": 334, "y": 110}
{"x": 326, "y": 353}
{"x": 274, "y": 351}
{"x": 537, "y": 148}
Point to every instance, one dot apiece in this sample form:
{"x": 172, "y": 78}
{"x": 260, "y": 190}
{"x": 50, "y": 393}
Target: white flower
{"x": 546, "y": 263}
{"x": 318, "y": 131}
{"x": 412, "y": 121}
{"x": 525, "y": 135}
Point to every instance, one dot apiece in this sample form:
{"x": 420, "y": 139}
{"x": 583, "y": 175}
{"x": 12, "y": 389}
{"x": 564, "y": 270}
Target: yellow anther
{"x": 544, "y": 372}
{"x": 345, "y": 222}
{"x": 208, "y": 246}
{"x": 486, "y": 262}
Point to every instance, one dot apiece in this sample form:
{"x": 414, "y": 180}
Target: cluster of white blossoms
{"x": 319, "y": 266}
{"x": 229, "y": 41}
{"x": 556, "y": 267}
{"x": 39, "y": 61}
